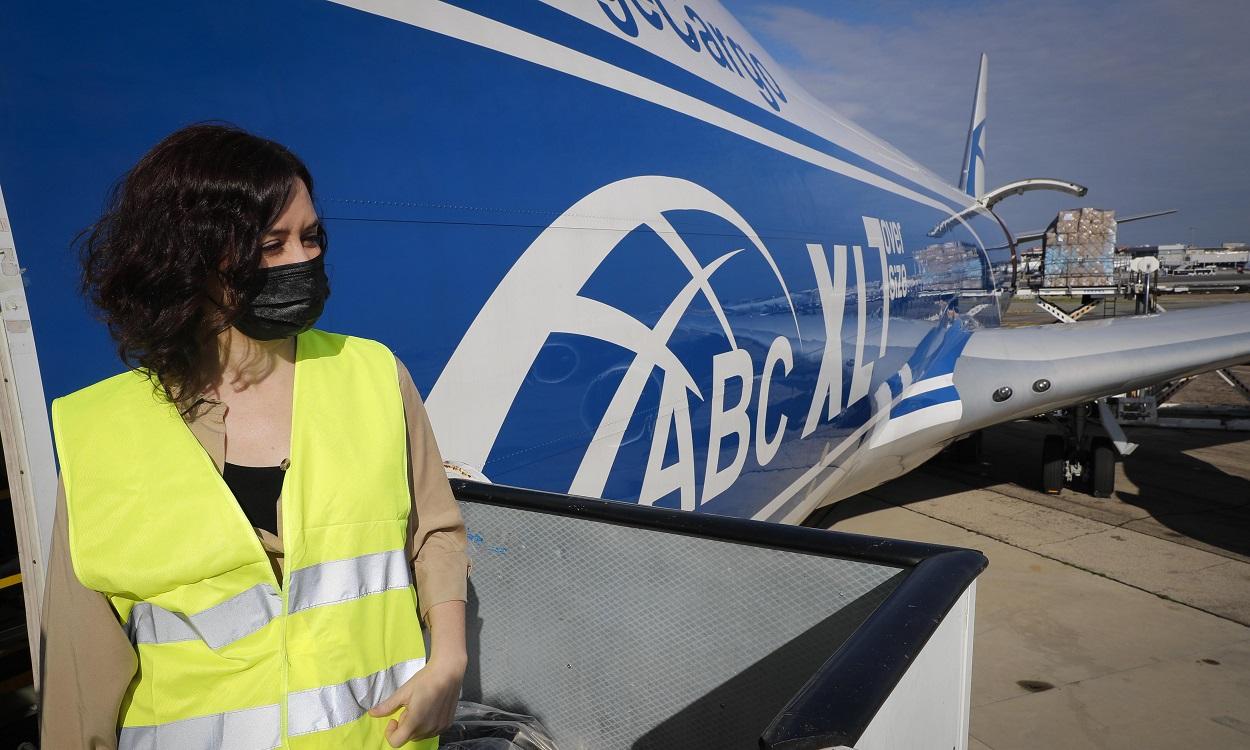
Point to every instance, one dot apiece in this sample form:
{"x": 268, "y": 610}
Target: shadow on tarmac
{"x": 1185, "y": 497}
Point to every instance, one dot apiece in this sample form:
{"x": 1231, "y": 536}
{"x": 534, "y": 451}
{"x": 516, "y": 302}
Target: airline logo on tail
{"x": 972, "y": 176}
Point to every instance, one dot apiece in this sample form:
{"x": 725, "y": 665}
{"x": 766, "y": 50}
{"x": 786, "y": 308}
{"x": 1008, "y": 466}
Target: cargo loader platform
{"x": 623, "y": 626}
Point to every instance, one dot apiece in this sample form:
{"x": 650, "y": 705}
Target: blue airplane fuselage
{"x": 609, "y": 271}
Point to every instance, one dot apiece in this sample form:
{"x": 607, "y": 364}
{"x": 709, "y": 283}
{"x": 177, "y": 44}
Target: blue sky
{"x": 1146, "y": 102}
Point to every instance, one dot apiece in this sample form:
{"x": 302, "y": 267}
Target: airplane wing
{"x": 1150, "y": 215}
{"x": 1051, "y": 366}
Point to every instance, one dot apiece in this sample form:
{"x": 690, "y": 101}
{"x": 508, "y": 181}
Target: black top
{"x": 257, "y": 489}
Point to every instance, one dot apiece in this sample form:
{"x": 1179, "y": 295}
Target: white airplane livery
{"x": 623, "y": 252}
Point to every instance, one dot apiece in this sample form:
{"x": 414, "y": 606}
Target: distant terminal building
{"x": 1183, "y": 260}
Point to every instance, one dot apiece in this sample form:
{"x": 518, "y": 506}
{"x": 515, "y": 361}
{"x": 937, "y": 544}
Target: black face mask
{"x": 285, "y": 301}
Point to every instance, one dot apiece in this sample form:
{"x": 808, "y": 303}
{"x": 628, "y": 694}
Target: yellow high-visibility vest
{"x": 228, "y": 657}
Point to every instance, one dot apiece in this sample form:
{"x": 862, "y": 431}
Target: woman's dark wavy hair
{"x": 170, "y": 263}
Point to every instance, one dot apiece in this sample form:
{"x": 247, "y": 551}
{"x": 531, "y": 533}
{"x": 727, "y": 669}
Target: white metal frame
{"x": 930, "y": 706}
{"x": 26, "y": 434}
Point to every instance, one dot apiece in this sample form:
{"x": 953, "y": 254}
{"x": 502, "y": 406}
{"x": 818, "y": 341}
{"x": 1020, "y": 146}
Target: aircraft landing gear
{"x": 1054, "y": 464}
{"x": 1076, "y": 457}
{"x": 968, "y": 450}
{"x": 1102, "y": 467}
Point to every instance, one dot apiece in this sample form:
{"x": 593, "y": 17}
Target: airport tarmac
{"x": 1023, "y": 311}
{"x": 1115, "y": 623}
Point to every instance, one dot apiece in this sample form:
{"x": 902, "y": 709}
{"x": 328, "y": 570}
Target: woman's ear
{"x": 221, "y": 302}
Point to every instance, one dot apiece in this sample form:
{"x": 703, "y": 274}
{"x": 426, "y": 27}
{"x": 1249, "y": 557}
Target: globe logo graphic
{"x": 539, "y": 297}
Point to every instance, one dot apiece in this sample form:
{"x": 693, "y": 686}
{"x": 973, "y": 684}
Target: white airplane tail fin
{"x": 972, "y": 176}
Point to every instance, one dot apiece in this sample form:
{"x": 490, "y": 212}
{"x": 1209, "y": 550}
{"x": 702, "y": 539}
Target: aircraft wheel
{"x": 1102, "y": 468}
{"x": 1054, "y": 458}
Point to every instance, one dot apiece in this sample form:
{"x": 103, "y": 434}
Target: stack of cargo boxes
{"x": 950, "y": 266}
{"x": 1079, "y": 249}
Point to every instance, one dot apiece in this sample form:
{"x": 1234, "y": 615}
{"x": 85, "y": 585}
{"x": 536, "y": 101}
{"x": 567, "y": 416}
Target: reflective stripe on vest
{"x": 249, "y": 729}
{"x": 343, "y": 580}
{"x": 228, "y": 656}
{"x": 308, "y": 711}
{"x": 319, "y": 709}
{"x": 237, "y": 617}
{"x": 243, "y": 614}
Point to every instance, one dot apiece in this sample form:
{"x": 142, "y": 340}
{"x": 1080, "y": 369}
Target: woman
{"x": 239, "y": 511}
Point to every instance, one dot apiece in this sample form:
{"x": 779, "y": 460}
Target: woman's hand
{"x": 430, "y": 699}
{"x": 430, "y": 696}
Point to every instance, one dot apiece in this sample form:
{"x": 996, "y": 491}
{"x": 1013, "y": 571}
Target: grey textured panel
{"x": 616, "y": 637}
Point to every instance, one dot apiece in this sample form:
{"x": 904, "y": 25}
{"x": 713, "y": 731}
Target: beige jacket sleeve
{"x": 437, "y": 539}
{"x": 88, "y": 661}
